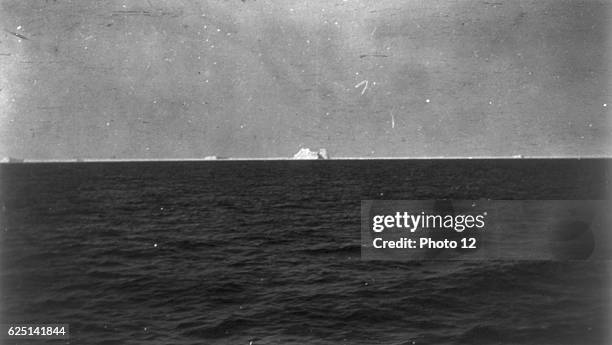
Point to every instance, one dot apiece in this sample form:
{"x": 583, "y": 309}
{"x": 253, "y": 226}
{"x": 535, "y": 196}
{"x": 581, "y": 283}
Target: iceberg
{"x": 323, "y": 154}
{"x": 306, "y": 153}
{"x": 11, "y": 160}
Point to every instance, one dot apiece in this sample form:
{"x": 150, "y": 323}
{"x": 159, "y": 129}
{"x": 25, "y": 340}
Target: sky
{"x": 256, "y": 78}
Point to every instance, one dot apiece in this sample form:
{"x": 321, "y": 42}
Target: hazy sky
{"x": 255, "y": 78}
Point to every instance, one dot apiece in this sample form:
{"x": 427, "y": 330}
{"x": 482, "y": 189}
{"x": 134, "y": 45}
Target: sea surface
{"x": 269, "y": 253}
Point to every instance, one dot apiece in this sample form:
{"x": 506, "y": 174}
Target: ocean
{"x": 268, "y": 252}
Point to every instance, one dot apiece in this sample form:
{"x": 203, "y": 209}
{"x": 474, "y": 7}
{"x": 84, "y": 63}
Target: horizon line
{"x": 110, "y": 160}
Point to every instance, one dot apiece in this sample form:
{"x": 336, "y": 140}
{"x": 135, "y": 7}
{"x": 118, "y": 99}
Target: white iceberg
{"x": 11, "y": 160}
{"x": 323, "y": 154}
{"x": 306, "y": 153}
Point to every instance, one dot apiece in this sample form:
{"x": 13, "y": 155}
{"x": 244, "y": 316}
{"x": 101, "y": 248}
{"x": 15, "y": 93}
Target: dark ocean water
{"x": 269, "y": 252}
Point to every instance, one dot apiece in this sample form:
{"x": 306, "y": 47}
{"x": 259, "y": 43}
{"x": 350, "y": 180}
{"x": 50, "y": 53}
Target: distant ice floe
{"x": 306, "y": 153}
{"x": 11, "y": 160}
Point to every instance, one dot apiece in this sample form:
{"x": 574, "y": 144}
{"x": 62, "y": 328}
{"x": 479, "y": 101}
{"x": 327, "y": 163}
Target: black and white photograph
{"x": 323, "y": 172}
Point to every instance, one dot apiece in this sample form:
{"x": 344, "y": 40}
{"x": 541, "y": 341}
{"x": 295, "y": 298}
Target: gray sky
{"x": 255, "y": 78}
